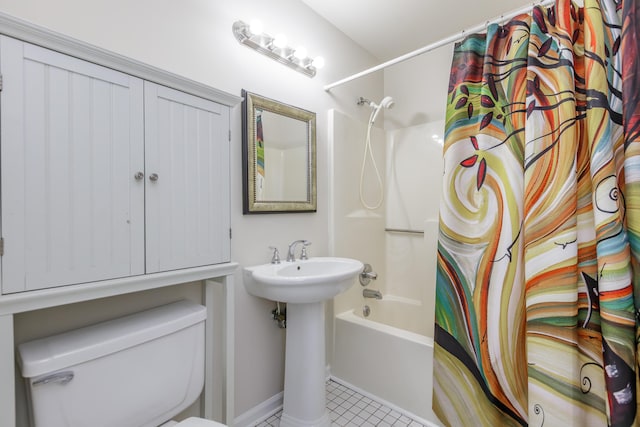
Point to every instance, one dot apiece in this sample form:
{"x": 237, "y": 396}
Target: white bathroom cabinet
{"x": 187, "y": 205}
{"x": 105, "y": 175}
{"x": 114, "y": 179}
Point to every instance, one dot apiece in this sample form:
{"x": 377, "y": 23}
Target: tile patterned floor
{"x": 348, "y": 408}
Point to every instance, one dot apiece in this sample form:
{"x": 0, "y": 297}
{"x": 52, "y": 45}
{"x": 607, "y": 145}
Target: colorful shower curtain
{"x": 539, "y": 247}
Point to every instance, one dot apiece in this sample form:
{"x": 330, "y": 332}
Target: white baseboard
{"x": 260, "y": 412}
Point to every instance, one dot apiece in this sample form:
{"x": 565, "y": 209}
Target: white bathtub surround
{"x": 402, "y": 324}
{"x": 414, "y": 174}
{"x": 363, "y": 349}
{"x": 354, "y": 230}
{"x": 405, "y": 262}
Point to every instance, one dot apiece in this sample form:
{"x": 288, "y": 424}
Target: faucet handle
{"x": 367, "y": 275}
{"x": 303, "y": 254}
{"x": 275, "y": 259}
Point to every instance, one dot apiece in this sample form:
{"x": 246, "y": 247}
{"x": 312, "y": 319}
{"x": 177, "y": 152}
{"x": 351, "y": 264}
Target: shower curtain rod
{"x": 439, "y": 43}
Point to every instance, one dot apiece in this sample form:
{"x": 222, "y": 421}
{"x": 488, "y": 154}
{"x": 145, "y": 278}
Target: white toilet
{"x": 135, "y": 371}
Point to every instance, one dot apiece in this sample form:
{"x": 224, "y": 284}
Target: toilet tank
{"x": 136, "y": 371}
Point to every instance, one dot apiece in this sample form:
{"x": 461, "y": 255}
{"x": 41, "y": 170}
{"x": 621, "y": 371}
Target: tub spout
{"x": 371, "y": 293}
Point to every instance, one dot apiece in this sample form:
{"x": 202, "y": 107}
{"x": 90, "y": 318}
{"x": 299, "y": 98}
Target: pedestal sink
{"x": 304, "y": 285}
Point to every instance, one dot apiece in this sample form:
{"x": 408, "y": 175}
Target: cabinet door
{"x": 71, "y": 142}
{"x": 187, "y": 185}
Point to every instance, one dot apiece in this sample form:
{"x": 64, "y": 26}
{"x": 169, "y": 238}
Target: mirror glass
{"x": 279, "y": 156}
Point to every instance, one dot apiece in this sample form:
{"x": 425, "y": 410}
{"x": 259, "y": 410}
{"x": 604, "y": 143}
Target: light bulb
{"x": 300, "y": 52}
{"x": 318, "y": 62}
{"x": 280, "y": 41}
{"x": 256, "y": 27}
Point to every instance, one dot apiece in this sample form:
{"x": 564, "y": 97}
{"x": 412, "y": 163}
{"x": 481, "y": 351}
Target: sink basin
{"x": 304, "y": 285}
{"x": 304, "y": 281}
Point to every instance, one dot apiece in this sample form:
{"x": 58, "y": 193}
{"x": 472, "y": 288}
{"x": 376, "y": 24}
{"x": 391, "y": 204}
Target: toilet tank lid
{"x": 61, "y": 351}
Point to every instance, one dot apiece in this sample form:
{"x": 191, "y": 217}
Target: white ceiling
{"x": 390, "y": 28}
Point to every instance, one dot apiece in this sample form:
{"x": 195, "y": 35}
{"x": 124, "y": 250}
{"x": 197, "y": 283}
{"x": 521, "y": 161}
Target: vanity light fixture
{"x": 276, "y": 47}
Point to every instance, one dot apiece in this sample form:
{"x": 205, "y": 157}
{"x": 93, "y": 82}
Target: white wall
{"x": 419, "y": 87}
{"x": 288, "y": 183}
{"x": 295, "y": 175}
{"x": 193, "y": 38}
{"x": 273, "y": 175}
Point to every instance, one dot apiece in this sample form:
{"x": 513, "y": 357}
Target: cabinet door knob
{"x": 138, "y": 176}
{"x": 153, "y": 177}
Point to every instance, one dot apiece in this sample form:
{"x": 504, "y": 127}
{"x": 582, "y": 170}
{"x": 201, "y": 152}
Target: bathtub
{"x": 385, "y": 362}
{"x": 401, "y": 313}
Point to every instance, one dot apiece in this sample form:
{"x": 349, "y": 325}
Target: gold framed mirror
{"x": 278, "y": 156}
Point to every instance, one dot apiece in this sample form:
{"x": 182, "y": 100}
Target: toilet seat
{"x": 198, "y": 422}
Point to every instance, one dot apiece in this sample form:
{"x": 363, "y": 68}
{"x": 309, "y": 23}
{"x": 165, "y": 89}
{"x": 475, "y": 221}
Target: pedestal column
{"x": 304, "y": 377}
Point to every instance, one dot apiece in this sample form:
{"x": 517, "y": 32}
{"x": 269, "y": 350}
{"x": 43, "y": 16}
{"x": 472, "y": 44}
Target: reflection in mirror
{"x": 282, "y": 153}
{"x": 279, "y": 152}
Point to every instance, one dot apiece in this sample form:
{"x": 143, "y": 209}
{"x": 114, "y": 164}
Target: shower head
{"x": 387, "y": 102}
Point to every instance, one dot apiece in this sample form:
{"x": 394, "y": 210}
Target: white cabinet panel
{"x": 73, "y": 137}
{"x": 71, "y": 143}
{"x": 187, "y": 207}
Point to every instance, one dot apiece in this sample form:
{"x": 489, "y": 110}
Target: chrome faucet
{"x": 371, "y": 293}
{"x": 291, "y": 256}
